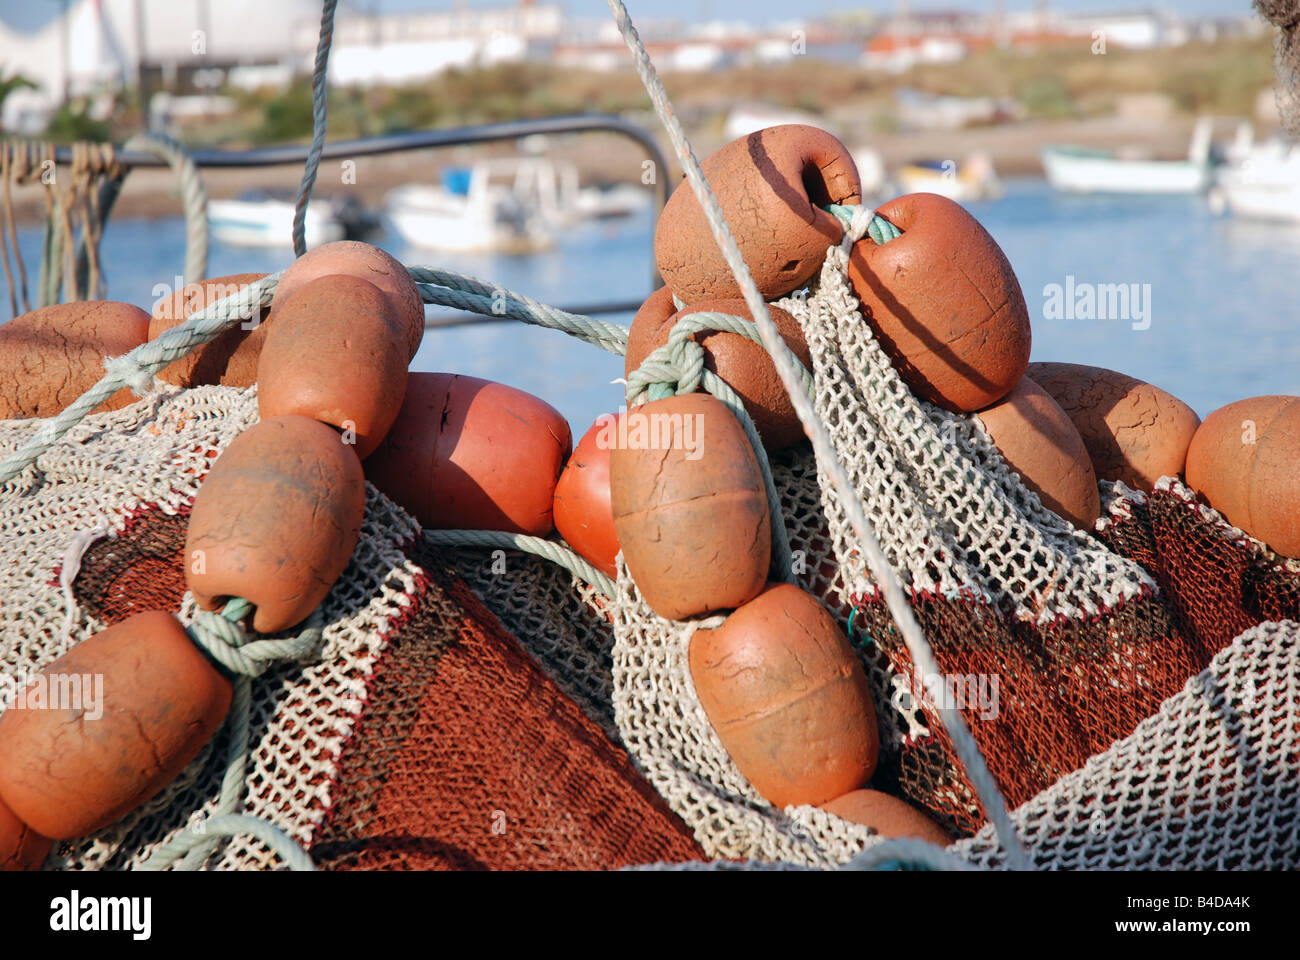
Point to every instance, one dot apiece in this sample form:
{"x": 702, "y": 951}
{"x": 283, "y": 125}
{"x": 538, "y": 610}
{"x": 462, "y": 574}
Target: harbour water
{"x": 1209, "y": 308}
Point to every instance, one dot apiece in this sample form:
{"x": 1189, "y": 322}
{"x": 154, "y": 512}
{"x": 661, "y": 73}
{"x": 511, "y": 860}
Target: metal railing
{"x": 433, "y": 139}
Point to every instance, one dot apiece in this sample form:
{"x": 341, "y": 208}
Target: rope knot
{"x": 675, "y": 368}
{"x": 224, "y": 639}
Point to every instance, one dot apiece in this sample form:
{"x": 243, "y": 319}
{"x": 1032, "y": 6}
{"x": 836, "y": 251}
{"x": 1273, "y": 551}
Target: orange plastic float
{"x": 466, "y": 453}
{"x": 67, "y": 772}
{"x": 690, "y": 508}
{"x": 583, "y": 514}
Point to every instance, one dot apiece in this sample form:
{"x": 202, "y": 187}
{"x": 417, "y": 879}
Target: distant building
{"x": 408, "y": 47}
{"x": 107, "y": 45}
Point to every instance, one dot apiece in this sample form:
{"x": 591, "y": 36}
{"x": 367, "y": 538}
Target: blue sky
{"x": 30, "y": 14}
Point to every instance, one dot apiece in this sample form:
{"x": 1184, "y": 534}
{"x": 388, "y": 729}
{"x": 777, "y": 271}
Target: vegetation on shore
{"x": 1224, "y": 78}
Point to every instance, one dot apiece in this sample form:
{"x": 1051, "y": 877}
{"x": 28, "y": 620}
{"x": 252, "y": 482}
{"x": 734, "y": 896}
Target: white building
{"x": 404, "y": 48}
{"x": 105, "y": 44}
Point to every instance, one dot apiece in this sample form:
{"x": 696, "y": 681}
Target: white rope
{"x": 72, "y": 566}
{"x": 787, "y": 368}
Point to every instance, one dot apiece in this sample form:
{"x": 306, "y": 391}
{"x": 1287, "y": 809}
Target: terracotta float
{"x": 1134, "y": 432}
{"x": 771, "y": 186}
{"x": 51, "y": 356}
{"x": 356, "y": 259}
{"x": 337, "y": 354}
{"x": 1038, "y": 441}
{"x": 742, "y": 363}
{"x": 66, "y": 772}
{"x": 788, "y": 698}
{"x": 276, "y": 521}
{"x": 690, "y": 508}
{"x": 1243, "y": 462}
{"x": 230, "y": 359}
{"x": 944, "y": 303}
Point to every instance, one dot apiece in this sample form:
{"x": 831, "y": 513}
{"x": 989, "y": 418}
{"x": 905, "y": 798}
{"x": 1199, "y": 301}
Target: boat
{"x": 606, "y": 203}
{"x": 1084, "y": 170}
{"x": 259, "y": 218}
{"x": 971, "y": 180}
{"x": 1262, "y": 181}
{"x": 503, "y": 204}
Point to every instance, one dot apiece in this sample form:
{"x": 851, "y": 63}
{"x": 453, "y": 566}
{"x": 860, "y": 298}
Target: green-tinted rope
{"x": 459, "y": 291}
{"x": 223, "y": 638}
{"x": 880, "y": 230}
{"x": 556, "y": 551}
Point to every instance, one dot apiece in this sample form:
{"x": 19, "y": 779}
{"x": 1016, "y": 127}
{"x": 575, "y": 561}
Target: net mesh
{"x": 1090, "y": 637}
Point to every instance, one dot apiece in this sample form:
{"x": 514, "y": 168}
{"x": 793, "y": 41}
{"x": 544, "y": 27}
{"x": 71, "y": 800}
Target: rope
{"x": 556, "y": 552}
{"x": 320, "y": 120}
{"x": 224, "y": 640}
{"x": 194, "y": 198}
{"x": 447, "y": 288}
{"x": 136, "y": 369}
{"x": 922, "y": 656}
{"x": 905, "y": 853}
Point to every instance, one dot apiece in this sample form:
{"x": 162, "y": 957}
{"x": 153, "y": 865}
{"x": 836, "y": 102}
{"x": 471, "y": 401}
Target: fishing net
{"x": 421, "y": 737}
{"x": 1285, "y": 15}
{"x": 1067, "y": 652}
{"x": 1051, "y": 642}
{"x": 426, "y": 735}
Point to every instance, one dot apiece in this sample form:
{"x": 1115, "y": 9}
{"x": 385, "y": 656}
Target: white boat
{"x": 1261, "y": 183}
{"x": 1082, "y": 170}
{"x": 603, "y": 203}
{"x": 258, "y": 219}
{"x": 505, "y": 204}
{"x": 971, "y": 180}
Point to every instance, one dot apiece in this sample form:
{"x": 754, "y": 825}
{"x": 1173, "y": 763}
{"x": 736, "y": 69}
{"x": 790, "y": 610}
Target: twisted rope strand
{"x": 320, "y": 119}
{"x": 194, "y": 198}
{"x": 557, "y": 552}
{"x": 447, "y": 288}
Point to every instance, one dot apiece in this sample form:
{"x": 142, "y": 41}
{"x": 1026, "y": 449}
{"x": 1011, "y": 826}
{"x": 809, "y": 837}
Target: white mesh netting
{"x": 152, "y": 454}
{"x": 951, "y": 518}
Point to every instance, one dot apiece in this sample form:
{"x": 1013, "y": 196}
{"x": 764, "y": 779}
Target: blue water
{"x": 1224, "y": 294}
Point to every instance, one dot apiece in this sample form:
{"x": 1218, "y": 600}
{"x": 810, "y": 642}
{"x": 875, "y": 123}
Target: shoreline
{"x": 1014, "y": 149}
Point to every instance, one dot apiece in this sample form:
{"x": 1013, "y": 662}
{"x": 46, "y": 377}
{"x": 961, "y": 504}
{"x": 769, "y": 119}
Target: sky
{"x": 29, "y": 15}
